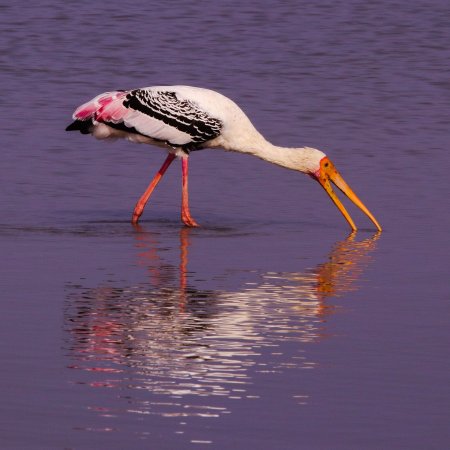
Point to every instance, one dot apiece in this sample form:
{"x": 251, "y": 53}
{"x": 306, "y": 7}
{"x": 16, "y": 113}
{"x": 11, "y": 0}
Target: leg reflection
{"x": 170, "y": 336}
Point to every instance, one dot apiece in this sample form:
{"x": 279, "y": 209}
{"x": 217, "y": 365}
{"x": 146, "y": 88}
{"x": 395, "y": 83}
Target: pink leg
{"x": 140, "y": 205}
{"x": 185, "y": 214}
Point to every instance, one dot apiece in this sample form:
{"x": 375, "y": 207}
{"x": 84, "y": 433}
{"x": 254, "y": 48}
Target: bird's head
{"x": 319, "y": 167}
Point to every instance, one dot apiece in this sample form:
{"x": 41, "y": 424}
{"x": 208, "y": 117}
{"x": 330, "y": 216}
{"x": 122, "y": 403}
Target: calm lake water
{"x": 270, "y": 327}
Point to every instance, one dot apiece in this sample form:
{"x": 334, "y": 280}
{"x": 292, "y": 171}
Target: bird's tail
{"x": 104, "y": 106}
{"x": 83, "y": 126}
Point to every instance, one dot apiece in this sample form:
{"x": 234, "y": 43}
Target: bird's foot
{"x": 189, "y": 221}
{"x": 137, "y": 213}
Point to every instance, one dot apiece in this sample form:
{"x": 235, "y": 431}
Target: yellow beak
{"x": 327, "y": 173}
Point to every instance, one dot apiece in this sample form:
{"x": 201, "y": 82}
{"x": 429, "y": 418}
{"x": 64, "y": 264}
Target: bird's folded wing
{"x": 155, "y": 114}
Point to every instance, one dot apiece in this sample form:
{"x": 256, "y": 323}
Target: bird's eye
{"x": 326, "y": 164}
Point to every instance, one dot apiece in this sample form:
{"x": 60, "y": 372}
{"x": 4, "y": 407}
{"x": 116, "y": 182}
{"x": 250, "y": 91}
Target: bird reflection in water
{"x": 182, "y": 343}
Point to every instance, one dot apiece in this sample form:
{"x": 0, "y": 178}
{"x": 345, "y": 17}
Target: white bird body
{"x": 237, "y": 132}
{"x": 184, "y": 118}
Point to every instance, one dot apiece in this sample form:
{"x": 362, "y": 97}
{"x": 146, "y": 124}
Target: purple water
{"x": 269, "y": 327}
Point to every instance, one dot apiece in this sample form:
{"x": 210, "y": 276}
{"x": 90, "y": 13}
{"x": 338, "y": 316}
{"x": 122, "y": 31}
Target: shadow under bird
{"x": 184, "y": 119}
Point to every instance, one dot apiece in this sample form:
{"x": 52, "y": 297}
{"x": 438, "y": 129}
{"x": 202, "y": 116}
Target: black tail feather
{"x": 83, "y": 126}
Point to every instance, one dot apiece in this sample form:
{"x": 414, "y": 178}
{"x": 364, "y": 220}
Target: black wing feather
{"x": 183, "y": 115}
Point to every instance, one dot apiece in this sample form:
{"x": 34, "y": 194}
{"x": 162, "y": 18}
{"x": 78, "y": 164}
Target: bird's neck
{"x": 245, "y": 138}
{"x": 287, "y": 157}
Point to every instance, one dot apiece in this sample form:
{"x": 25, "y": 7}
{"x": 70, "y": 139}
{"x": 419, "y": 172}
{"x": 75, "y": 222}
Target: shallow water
{"x": 270, "y": 326}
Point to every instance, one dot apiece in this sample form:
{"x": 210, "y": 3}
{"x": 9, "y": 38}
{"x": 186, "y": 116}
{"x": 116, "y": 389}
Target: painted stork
{"x": 184, "y": 119}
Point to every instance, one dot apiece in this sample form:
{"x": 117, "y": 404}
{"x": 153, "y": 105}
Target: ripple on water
{"x": 169, "y": 345}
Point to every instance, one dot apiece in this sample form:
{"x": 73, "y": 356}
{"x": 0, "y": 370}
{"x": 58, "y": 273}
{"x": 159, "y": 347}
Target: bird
{"x": 184, "y": 119}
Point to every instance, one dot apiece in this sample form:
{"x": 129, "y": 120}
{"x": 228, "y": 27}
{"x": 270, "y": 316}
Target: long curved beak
{"x": 327, "y": 174}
